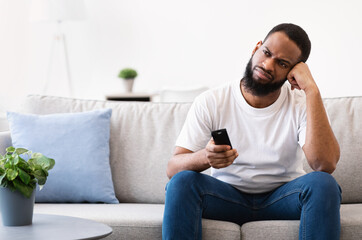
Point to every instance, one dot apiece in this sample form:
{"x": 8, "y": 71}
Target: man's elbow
{"x": 324, "y": 160}
{"x": 169, "y": 171}
{"x": 328, "y": 168}
{"x": 333, "y": 160}
{"x": 326, "y": 164}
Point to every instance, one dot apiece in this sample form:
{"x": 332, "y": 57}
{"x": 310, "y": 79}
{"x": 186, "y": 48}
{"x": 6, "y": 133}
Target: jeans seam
{"x": 252, "y": 207}
{"x": 281, "y": 197}
{"x": 304, "y": 227}
{"x": 225, "y": 198}
{"x": 197, "y": 221}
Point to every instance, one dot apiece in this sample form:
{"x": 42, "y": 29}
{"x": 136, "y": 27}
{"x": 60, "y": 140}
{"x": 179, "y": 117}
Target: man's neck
{"x": 259, "y": 101}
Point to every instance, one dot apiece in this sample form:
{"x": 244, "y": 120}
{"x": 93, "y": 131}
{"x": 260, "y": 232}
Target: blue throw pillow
{"x": 79, "y": 144}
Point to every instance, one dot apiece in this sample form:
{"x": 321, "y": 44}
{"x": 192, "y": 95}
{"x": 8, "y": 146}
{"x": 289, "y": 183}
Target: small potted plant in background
{"x": 18, "y": 179}
{"x": 128, "y": 75}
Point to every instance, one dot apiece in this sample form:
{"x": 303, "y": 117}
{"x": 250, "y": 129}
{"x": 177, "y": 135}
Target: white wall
{"x": 173, "y": 43}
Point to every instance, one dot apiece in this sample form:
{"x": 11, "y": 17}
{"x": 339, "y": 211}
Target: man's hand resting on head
{"x": 301, "y": 78}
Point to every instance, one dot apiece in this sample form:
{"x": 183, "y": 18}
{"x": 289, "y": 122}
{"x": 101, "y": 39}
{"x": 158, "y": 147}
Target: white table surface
{"x": 56, "y": 227}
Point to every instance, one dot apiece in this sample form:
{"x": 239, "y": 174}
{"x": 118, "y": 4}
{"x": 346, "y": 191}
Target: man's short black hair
{"x": 297, "y": 35}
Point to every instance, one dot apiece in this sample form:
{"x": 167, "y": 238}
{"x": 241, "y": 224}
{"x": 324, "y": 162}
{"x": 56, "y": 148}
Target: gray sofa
{"x": 142, "y": 141}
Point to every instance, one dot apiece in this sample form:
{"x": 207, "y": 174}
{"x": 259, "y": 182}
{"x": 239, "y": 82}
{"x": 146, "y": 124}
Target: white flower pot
{"x": 128, "y": 84}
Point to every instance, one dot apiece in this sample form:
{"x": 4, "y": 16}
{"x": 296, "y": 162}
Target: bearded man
{"x": 274, "y": 110}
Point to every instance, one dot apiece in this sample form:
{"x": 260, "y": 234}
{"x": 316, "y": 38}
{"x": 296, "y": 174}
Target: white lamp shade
{"x": 57, "y": 10}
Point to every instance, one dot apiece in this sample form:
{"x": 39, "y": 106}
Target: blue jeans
{"x": 314, "y": 199}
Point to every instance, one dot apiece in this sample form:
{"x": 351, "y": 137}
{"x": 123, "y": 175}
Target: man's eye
{"x": 283, "y": 65}
{"x": 266, "y": 53}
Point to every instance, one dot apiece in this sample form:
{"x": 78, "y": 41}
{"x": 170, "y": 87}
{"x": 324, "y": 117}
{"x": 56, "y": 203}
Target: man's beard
{"x": 255, "y": 87}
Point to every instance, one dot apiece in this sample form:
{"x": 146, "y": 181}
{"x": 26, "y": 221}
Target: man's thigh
{"x": 287, "y": 201}
{"x": 232, "y": 205}
{"x": 222, "y": 201}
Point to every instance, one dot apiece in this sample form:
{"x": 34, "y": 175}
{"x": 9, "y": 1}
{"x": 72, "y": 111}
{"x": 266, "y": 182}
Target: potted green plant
{"x": 128, "y": 75}
{"x": 18, "y": 180}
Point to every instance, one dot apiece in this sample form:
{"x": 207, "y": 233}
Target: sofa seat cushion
{"x": 135, "y": 221}
{"x": 351, "y": 222}
{"x": 144, "y": 221}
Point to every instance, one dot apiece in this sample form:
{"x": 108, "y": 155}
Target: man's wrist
{"x": 204, "y": 159}
{"x": 313, "y": 90}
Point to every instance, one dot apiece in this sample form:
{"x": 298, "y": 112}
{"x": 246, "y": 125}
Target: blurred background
{"x": 170, "y": 43}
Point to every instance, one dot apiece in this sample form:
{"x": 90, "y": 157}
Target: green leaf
{"x": 25, "y": 178}
{"x": 26, "y": 190}
{"x": 24, "y": 165}
{"x": 41, "y": 176}
{"x": 36, "y": 155}
{"x": 51, "y": 164}
{"x": 7, "y": 165}
{"x": 11, "y": 174}
{"x": 46, "y": 172}
{"x": 127, "y": 73}
{"x": 45, "y": 162}
{"x": 2, "y": 175}
{"x": 10, "y": 149}
{"x": 16, "y": 160}
{"x": 8, "y": 184}
{"x": 10, "y": 161}
{"x": 20, "y": 151}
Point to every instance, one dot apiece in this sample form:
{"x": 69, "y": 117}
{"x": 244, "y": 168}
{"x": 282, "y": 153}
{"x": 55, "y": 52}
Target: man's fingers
{"x": 217, "y": 148}
{"x": 212, "y": 147}
{"x": 221, "y": 160}
{"x": 293, "y": 83}
{"x": 222, "y": 164}
{"x": 221, "y": 155}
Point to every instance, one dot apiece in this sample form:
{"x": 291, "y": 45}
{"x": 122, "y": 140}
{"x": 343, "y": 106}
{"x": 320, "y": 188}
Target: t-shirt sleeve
{"x": 196, "y": 131}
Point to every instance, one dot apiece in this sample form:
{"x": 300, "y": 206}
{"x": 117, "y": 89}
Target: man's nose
{"x": 268, "y": 64}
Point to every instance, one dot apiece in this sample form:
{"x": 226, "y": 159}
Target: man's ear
{"x": 258, "y": 45}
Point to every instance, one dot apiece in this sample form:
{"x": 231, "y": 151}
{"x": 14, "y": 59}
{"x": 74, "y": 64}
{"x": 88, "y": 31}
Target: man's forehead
{"x": 282, "y": 47}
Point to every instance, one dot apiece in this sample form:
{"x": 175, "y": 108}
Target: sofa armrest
{"x": 5, "y": 141}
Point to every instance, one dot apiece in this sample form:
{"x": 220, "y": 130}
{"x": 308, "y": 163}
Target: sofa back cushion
{"x": 143, "y": 137}
{"x": 142, "y": 140}
{"x": 345, "y": 114}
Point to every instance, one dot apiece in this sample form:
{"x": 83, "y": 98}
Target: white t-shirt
{"x": 266, "y": 139}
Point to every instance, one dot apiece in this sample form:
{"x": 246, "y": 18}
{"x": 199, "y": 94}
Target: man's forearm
{"x": 195, "y": 161}
{"x": 321, "y": 147}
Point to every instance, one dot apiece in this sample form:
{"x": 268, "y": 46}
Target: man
{"x": 261, "y": 178}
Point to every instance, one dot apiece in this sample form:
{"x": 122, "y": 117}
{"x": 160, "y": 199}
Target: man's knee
{"x": 324, "y": 184}
{"x": 182, "y": 181}
{"x": 321, "y": 180}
